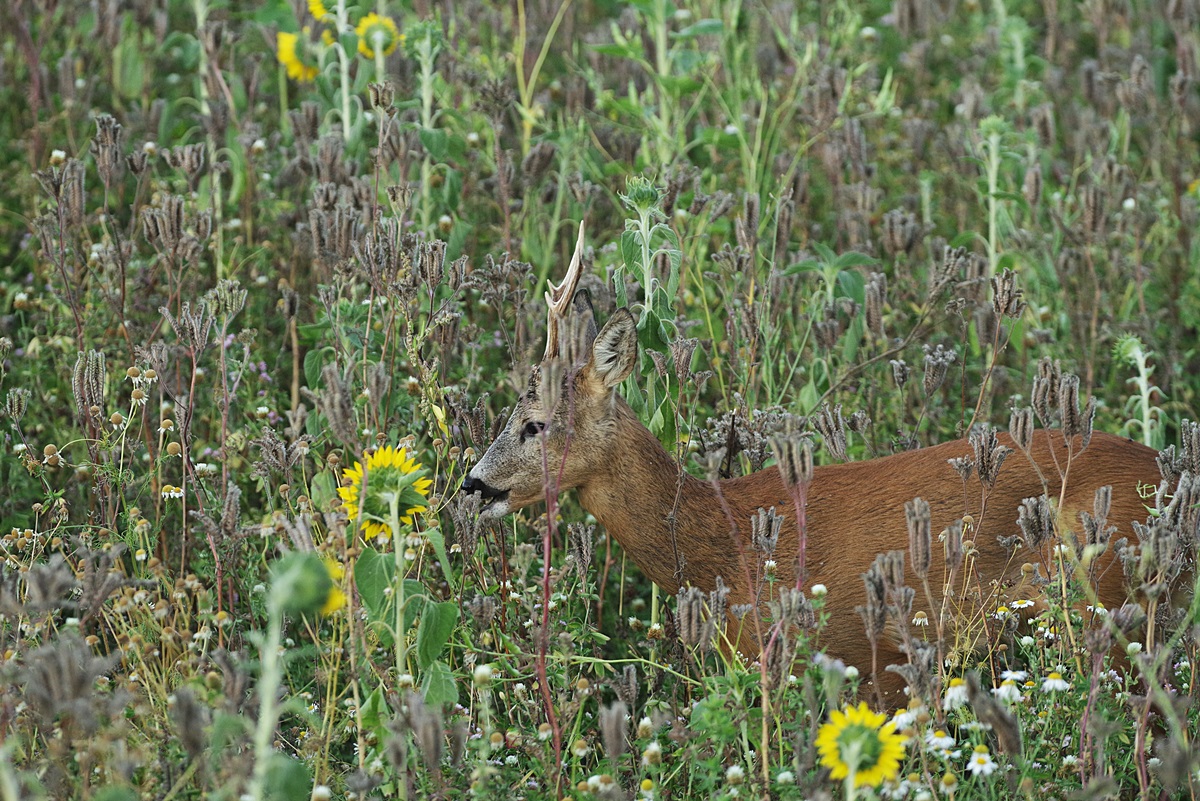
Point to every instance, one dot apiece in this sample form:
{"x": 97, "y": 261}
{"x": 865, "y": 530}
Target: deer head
{"x": 562, "y": 426}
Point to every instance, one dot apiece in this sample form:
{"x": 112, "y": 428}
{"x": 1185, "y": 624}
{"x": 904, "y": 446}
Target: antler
{"x": 558, "y": 298}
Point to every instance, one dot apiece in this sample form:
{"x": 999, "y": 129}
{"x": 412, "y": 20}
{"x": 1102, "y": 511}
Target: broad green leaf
{"x": 437, "y": 685}
{"x": 434, "y": 630}
{"x": 375, "y": 712}
{"x": 287, "y": 778}
{"x": 436, "y": 142}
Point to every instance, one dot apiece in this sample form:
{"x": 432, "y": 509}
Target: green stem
{"x": 343, "y": 22}
{"x": 270, "y": 678}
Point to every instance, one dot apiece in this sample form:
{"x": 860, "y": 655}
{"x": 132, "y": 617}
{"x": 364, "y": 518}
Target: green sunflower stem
{"x": 398, "y": 593}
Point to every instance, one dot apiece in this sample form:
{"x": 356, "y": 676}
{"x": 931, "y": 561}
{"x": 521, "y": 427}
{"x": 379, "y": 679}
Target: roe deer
{"x": 572, "y": 430}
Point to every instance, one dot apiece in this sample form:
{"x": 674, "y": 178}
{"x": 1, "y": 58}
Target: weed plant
{"x": 272, "y": 272}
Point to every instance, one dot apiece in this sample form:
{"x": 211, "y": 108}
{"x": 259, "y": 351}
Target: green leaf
{"x": 853, "y": 285}
{"x": 437, "y": 685}
{"x": 287, "y": 778}
{"x": 313, "y": 362}
{"x": 618, "y": 50}
{"x": 705, "y": 27}
{"x": 375, "y": 710}
{"x": 434, "y": 630}
{"x": 322, "y": 489}
{"x": 631, "y": 252}
{"x": 854, "y": 259}
{"x": 436, "y": 142}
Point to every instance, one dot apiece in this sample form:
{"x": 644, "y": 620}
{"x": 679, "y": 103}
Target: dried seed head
{"x": 793, "y": 609}
{"x": 537, "y": 162}
{"x": 1020, "y": 427}
{"x": 765, "y": 526}
{"x": 88, "y": 380}
{"x": 1036, "y": 520}
{"x": 1031, "y": 187}
{"x": 937, "y": 361}
{"x": 336, "y": 403}
{"x": 1006, "y": 297}
{"x": 900, "y": 372}
{"x": 901, "y": 232}
{"x": 581, "y": 544}
{"x": 106, "y": 148}
{"x": 1045, "y": 390}
{"x": 16, "y": 402}
{"x": 952, "y": 545}
{"x": 1095, "y": 524}
{"x": 832, "y": 427}
{"x": 613, "y": 729}
{"x": 874, "y": 612}
{"x": 963, "y": 465}
{"x": 875, "y": 300}
{"x": 1093, "y": 202}
{"x": 428, "y": 731}
{"x": 989, "y": 454}
{"x": 920, "y": 540}
{"x": 794, "y": 458}
{"x": 383, "y": 96}
{"x": 682, "y": 351}
{"x": 691, "y": 618}
{"x": 718, "y": 601}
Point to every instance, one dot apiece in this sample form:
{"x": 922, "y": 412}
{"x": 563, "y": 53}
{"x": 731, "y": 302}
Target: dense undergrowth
{"x": 245, "y": 244}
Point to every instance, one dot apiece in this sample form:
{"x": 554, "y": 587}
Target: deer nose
{"x": 472, "y": 485}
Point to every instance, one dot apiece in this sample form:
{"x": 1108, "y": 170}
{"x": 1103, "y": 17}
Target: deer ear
{"x": 614, "y": 352}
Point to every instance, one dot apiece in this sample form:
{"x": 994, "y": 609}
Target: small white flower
{"x": 785, "y": 777}
{"x": 818, "y": 590}
{"x": 956, "y": 694}
{"x": 981, "y": 763}
{"x": 1133, "y": 648}
{"x": 652, "y": 753}
{"x": 1054, "y": 682}
{"x": 851, "y": 672}
{"x": 1070, "y": 760}
{"x": 483, "y": 675}
{"x": 920, "y": 619}
{"x": 1008, "y": 692}
{"x": 1015, "y": 675}
{"x": 939, "y": 740}
{"x": 1129, "y": 204}
{"x": 1022, "y": 603}
{"x": 869, "y": 34}
{"x": 731, "y": 130}
{"x": 1028, "y": 642}
{"x": 734, "y": 774}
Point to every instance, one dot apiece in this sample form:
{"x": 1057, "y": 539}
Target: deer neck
{"x": 667, "y": 521}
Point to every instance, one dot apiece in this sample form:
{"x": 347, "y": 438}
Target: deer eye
{"x": 532, "y": 429}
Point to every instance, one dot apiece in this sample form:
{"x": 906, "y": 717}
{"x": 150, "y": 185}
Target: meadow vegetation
{"x": 272, "y": 273}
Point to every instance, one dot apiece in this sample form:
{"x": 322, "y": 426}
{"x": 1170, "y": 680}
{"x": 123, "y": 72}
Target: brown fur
{"x": 679, "y": 530}
{"x": 854, "y": 511}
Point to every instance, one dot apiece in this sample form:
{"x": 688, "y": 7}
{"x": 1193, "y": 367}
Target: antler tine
{"x": 558, "y": 298}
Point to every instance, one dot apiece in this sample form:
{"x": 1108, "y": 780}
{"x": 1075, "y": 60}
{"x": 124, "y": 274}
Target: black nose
{"x": 472, "y": 485}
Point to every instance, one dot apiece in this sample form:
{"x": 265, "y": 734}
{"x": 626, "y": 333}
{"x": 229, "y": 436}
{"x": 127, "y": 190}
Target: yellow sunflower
{"x": 337, "y": 597}
{"x": 288, "y": 50}
{"x": 389, "y": 475}
{"x": 860, "y": 742}
{"x": 377, "y": 33}
{"x": 318, "y": 10}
